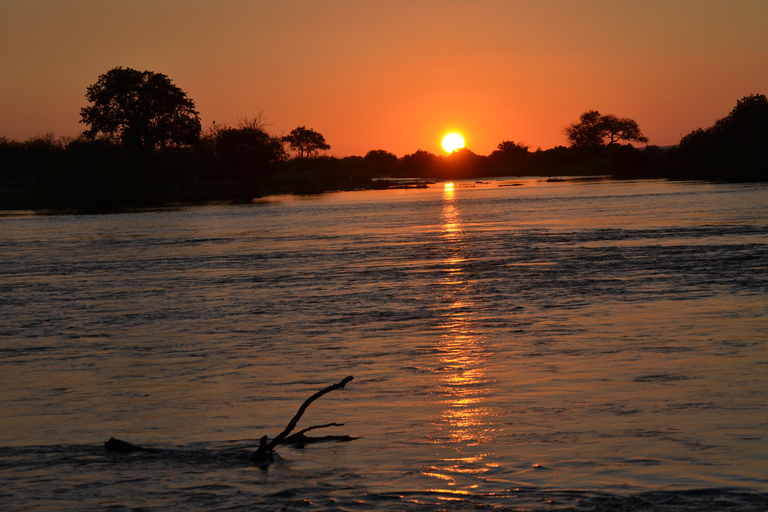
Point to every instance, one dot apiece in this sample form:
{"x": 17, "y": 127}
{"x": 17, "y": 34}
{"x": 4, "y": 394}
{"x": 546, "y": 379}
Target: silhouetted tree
{"x": 381, "y": 161}
{"x": 509, "y": 154}
{"x": 511, "y": 147}
{"x": 381, "y": 156}
{"x": 587, "y": 132}
{"x": 140, "y": 108}
{"x": 617, "y": 129}
{"x": 463, "y": 163}
{"x": 421, "y": 163}
{"x": 746, "y": 123}
{"x": 244, "y": 152}
{"x": 593, "y": 129}
{"x": 306, "y": 142}
{"x": 735, "y": 148}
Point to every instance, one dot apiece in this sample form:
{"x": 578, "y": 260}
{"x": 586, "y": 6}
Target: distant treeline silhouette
{"x": 144, "y": 146}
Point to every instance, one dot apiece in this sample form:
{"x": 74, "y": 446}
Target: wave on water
{"x": 205, "y": 476}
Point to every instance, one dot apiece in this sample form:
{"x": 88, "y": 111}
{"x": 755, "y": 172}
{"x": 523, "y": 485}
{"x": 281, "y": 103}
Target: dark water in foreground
{"x": 577, "y": 345}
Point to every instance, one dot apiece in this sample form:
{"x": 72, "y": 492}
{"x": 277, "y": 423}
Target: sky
{"x": 394, "y": 75}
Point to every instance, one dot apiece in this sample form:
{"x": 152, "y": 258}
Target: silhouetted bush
{"x": 94, "y": 175}
{"x": 628, "y": 162}
{"x": 245, "y": 155}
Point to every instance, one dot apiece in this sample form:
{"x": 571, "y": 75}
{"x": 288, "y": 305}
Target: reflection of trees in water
{"x": 462, "y": 352}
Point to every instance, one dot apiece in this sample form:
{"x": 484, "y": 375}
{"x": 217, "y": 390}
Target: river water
{"x": 515, "y": 344}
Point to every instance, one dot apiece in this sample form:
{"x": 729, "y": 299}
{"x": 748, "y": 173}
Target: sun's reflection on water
{"x": 463, "y": 385}
{"x": 450, "y": 215}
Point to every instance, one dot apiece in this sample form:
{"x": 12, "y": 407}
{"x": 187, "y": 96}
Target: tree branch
{"x": 263, "y": 455}
{"x": 300, "y": 439}
{"x": 297, "y": 417}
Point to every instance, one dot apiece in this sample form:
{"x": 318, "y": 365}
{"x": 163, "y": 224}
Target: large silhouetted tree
{"x": 621, "y": 128}
{"x": 747, "y": 120}
{"x": 306, "y": 142}
{"x": 587, "y": 132}
{"x": 735, "y": 148}
{"x": 594, "y": 129}
{"x": 140, "y": 108}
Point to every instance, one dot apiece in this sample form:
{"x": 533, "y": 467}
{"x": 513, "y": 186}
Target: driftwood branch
{"x": 299, "y": 439}
{"x": 292, "y": 424}
{"x": 263, "y": 456}
{"x": 313, "y": 427}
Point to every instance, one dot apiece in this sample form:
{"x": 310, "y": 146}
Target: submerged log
{"x": 116, "y": 445}
{"x": 264, "y": 454}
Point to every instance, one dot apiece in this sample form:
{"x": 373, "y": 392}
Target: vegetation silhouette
{"x": 735, "y": 148}
{"x": 140, "y": 108}
{"x": 382, "y": 162}
{"x": 306, "y": 142}
{"x": 243, "y": 156}
{"x": 510, "y": 155}
{"x": 144, "y": 147}
{"x": 593, "y": 129}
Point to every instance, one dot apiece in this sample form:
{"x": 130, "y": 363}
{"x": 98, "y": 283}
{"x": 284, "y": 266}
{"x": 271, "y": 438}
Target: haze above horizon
{"x": 396, "y": 76}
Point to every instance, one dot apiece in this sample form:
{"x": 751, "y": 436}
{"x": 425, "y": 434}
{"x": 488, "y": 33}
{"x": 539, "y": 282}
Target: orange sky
{"x": 394, "y": 75}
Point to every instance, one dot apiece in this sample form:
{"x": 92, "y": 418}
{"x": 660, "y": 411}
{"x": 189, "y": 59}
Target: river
{"x": 515, "y": 344}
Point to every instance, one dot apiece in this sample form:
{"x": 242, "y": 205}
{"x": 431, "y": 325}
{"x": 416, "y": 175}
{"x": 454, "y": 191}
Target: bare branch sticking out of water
{"x": 300, "y": 439}
{"x": 264, "y": 456}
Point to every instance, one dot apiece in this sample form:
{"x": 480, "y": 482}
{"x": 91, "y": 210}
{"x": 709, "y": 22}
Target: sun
{"x": 453, "y": 142}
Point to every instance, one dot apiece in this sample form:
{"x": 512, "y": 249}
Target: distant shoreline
{"x": 413, "y": 183}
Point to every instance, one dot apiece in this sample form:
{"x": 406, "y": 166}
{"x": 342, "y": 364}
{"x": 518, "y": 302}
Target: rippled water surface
{"x": 592, "y": 345}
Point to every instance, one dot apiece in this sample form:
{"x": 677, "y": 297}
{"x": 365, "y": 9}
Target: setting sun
{"x": 453, "y": 142}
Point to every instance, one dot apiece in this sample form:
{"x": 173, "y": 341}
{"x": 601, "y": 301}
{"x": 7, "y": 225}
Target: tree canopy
{"x": 306, "y": 142}
{"x": 747, "y": 120}
{"x": 381, "y": 156}
{"x": 140, "y": 108}
{"x": 420, "y": 163}
{"x": 594, "y": 129}
{"x": 246, "y": 150}
{"x": 734, "y": 148}
{"x": 381, "y": 161}
{"x": 509, "y": 153}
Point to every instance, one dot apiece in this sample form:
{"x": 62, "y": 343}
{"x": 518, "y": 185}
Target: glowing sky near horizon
{"x": 395, "y": 75}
